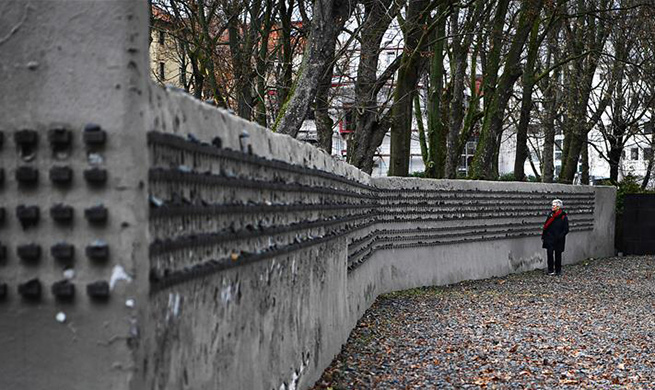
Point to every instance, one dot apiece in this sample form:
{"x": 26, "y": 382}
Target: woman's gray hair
{"x": 558, "y": 203}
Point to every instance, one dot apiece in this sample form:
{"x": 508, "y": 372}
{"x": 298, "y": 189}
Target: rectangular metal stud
{"x": 2, "y": 139}
{"x": 60, "y": 138}
{"x": 96, "y": 214}
{"x": 31, "y": 289}
{"x": 61, "y": 175}
{"x": 27, "y": 143}
{"x": 3, "y": 252}
{"x": 28, "y": 215}
{"x": 63, "y": 252}
{"x": 63, "y": 290}
{"x": 3, "y": 213}
{"x": 98, "y": 251}
{"x": 2, "y": 176}
{"x": 98, "y": 290}
{"x": 26, "y": 137}
{"x": 95, "y": 176}
{"x": 94, "y": 135}
{"x": 3, "y": 291}
{"x": 29, "y": 252}
{"x": 61, "y": 213}
{"x": 27, "y": 175}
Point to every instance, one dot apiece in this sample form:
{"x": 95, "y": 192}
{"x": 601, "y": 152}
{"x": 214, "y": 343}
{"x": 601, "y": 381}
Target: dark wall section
{"x": 639, "y": 224}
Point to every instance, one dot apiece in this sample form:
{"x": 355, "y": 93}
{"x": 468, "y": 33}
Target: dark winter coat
{"x": 554, "y": 235}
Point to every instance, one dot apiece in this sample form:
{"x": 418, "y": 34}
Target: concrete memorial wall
{"x": 151, "y": 241}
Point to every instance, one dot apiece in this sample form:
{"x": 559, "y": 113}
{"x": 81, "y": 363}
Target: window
{"x": 470, "y": 148}
{"x": 648, "y": 154}
{"x": 466, "y": 158}
{"x": 558, "y": 144}
{"x": 348, "y": 119}
{"x": 162, "y": 37}
{"x": 161, "y": 71}
{"x": 634, "y": 154}
{"x": 648, "y": 128}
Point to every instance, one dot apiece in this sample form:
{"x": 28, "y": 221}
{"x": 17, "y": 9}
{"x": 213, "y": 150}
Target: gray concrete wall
{"x": 263, "y": 259}
{"x": 241, "y": 259}
{"x": 65, "y": 64}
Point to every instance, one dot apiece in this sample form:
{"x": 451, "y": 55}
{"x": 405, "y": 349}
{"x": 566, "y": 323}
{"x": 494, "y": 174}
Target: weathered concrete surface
{"x": 70, "y": 63}
{"x": 278, "y": 323}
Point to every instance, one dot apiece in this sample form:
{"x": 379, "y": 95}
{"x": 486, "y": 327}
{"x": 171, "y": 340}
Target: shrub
{"x": 507, "y": 177}
{"x": 629, "y": 185}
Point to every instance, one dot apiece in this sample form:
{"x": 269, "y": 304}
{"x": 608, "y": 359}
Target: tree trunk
{"x": 324, "y": 123}
{"x": 484, "y": 163}
{"x": 370, "y": 125}
{"x": 587, "y": 34}
{"x": 401, "y": 125}
{"x": 328, "y": 19}
{"x": 418, "y": 114}
{"x": 548, "y": 167}
{"x": 437, "y": 131}
{"x": 584, "y": 174}
{"x": 408, "y": 75}
{"x": 526, "y": 104}
{"x": 286, "y": 54}
{"x": 461, "y": 120}
{"x": 614, "y": 155}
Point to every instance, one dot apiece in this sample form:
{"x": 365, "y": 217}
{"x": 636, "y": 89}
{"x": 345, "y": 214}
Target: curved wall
{"x": 265, "y": 251}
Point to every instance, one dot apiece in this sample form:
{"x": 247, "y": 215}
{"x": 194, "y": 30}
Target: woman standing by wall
{"x": 554, "y": 237}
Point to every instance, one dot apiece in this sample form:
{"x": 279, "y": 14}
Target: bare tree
{"x": 328, "y": 19}
{"x": 498, "y": 88}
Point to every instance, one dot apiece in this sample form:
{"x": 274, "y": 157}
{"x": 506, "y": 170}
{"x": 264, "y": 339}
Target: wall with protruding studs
{"x": 264, "y": 251}
{"x": 151, "y": 241}
{"x": 72, "y": 193}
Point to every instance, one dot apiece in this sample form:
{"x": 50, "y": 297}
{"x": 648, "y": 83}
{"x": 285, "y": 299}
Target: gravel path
{"x": 592, "y": 328}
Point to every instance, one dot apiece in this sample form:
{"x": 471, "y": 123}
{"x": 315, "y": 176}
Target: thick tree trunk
{"x": 551, "y": 100}
{"x": 456, "y": 114}
{"x": 614, "y": 157}
{"x": 261, "y": 65}
{"x": 437, "y": 131}
{"x": 328, "y": 19}
{"x": 285, "y": 79}
{"x": 369, "y": 128}
{"x": 526, "y": 104}
{"x": 570, "y": 163}
{"x": 584, "y": 173}
{"x": 408, "y": 74}
{"x": 323, "y": 121}
{"x": 401, "y": 125}
{"x": 548, "y": 167}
